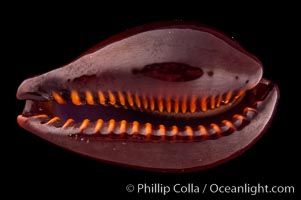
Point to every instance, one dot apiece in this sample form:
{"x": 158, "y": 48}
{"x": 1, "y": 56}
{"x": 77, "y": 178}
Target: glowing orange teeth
{"x": 204, "y": 104}
{"x": 176, "y": 105}
{"x": 112, "y": 99}
{"x": 75, "y": 98}
{"x": 54, "y": 119}
{"x": 148, "y": 129}
{"x": 215, "y": 129}
{"x": 121, "y": 98}
{"x": 40, "y": 116}
{"x": 152, "y": 103}
{"x": 160, "y": 104}
{"x": 174, "y": 131}
{"x": 68, "y": 123}
{"x": 84, "y": 125}
{"x": 227, "y": 127}
{"x": 238, "y": 120}
{"x": 219, "y": 100}
{"x": 89, "y": 98}
{"x": 98, "y": 125}
{"x": 228, "y": 97}
{"x": 193, "y": 104}
{"x": 168, "y": 104}
{"x": 111, "y": 125}
{"x": 228, "y": 124}
{"x": 238, "y": 95}
{"x": 122, "y": 128}
{"x": 130, "y": 99}
{"x": 184, "y": 104}
{"x": 202, "y": 131}
{"x": 135, "y": 128}
{"x": 101, "y": 97}
{"x": 212, "y": 102}
{"x": 58, "y": 98}
{"x": 189, "y": 131}
{"x": 161, "y": 130}
{"x": 145, "y": 102}
{"x": 137, "y": 101}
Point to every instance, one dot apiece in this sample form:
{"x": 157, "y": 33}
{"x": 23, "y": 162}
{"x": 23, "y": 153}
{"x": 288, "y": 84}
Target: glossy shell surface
{"x": 167, "y": 97}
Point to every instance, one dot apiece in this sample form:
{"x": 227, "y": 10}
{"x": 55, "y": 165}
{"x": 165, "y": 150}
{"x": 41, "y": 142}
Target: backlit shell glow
{"x": 167, "y": 97}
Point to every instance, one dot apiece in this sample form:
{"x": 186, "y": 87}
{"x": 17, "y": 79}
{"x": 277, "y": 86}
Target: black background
{"x": 46, "y": 40}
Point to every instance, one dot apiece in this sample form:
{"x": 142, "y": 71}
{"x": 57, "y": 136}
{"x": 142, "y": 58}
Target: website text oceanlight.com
{"x": 213, "y": 188}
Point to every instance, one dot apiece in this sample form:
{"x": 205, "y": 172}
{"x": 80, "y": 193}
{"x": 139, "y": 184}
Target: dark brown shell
{"x": 164, "y": 62}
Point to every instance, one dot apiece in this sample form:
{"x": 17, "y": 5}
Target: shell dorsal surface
{"x": 165, "y": 60}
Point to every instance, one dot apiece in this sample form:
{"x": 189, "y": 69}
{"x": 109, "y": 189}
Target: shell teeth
{"x": 204, "y": 104}
{"x": 258, "y": 104}
{"x": 216, "y": 129}
{"x": 54, "y": 119}
{"x": 145, "y": 102}
{"x": 147, "y": 130}
{"x": 228, "y": 124}
{"x": 112, "y": 98}
{"x": 137, "y": 101}
{"x": 68, "y": 123}
{"x": 228, "y": 97}
{"x": 227, "y": 127}
{"x": 193, "y": 104}
{"x": 212, "y": 102}
{"x": 75, "y": 98}
{"x": 121, "y": 98}
{"x": 176, "y": 105}
{"x": 101, "y": 97}
{"x": 168, "y": 104}
{"x": 122, "y": 127}
{"x": 84, "y": 125}
{"x": 98, "y": 125}
{"x": 189, "y": 131}
{"x": 111, "y": 126}
{"x": 219, "y": 100}
{"x": 238, "y": 95}
{"x": 162, "y": 130}
{"x": 40, "y": 116}
{"x": 89, "y": 98}
{"x": 174, "y": 131}
{"x": 202, "y": 131}
{"x": 238, "y": 120}
{"x": 160, "y": 104}
{"x": 152, "y": 103}
{"x": 130, "y": 99}
{"x": 250, "y": 113}
{"x": 184, "y": 104}
{"x": 58, "y": 98}
{"x": 135, "y": 128}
